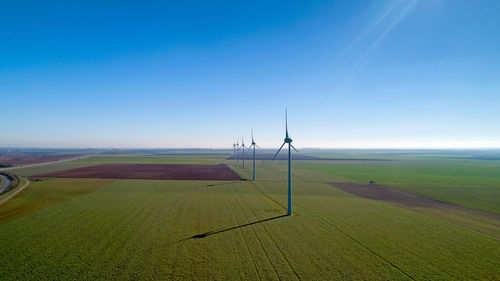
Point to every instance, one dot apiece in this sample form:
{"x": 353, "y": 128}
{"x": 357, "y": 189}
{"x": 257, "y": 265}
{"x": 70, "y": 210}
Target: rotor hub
{"x": 288, "y": 140}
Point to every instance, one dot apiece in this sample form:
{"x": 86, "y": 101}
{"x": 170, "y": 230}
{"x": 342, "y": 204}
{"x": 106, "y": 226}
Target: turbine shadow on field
{"x": 209, "y": 233}
{"x": 224, "y": 183}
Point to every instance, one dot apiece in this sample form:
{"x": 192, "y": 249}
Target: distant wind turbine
{"x": 243, "y": 151}
{"x": 237, "y": 149}
{"x": 289, "y": 141}
{"x": 234, "y": 149}
{"x": 254, "y": 145}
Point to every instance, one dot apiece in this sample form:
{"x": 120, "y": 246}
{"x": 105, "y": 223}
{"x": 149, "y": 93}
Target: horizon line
{"x": 229, "y": 148}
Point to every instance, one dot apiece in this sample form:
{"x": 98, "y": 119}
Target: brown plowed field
{"x": 148, "y": 171}
{"x": 403, "y": 199}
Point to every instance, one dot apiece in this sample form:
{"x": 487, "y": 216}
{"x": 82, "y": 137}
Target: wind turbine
{"x": 289, "y": 141}
{"x": 237, "y": 149}
{"x": 254, "y": 145}
{"x": 234, "y": 149}
{"x": 243, "y": 146}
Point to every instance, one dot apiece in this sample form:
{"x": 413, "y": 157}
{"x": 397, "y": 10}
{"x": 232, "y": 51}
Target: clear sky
{"x": 409, "y": 73}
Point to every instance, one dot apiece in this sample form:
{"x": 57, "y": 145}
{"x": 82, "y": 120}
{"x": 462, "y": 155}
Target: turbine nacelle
{"x": 288, "y": 140}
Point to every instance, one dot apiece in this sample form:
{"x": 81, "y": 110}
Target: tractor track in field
{"x": 258, "y": 238}
{"x": 244, "y": 238}
{"x": 266, "y": 197}
{"x": 153, "y": 246}
{"x": 274, "y": 242}
{"x": 365, "y": 247}
{"x": 277, "y": 205}
{"x": 230, "y": 218}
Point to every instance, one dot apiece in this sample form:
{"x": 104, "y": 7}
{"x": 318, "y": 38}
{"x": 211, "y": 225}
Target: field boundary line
{"x": 15, "y": 192}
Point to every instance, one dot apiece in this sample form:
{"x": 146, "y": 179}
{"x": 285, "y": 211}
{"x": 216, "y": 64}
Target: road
{"x": 47, "y": 163}
{"x": 5, "y": 183}
{"x": 27, "y": 181}
{"x": 15, "y": 192}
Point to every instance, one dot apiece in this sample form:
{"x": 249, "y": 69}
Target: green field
{"x": 473, "y": 184}
{"x": 92, "y": 229}
{"x": 42, "y": 194}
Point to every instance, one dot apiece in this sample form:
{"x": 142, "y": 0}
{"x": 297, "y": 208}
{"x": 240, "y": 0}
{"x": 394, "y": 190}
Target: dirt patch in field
{"x": 404, "y": 199}
{"x": 148, "y": 171}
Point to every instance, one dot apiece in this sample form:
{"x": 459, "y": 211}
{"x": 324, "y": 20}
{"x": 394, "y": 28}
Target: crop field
{"x": 148, "y": 171}
{"x": 30, "y": 171}
{"x": 123, "y": 159}
{"x": 95, "y": 229}
{"x": 43, "y": 194}
{"x": 138, "y": 159}
{"x": 471, "y": 183}
{"x": 19, "y": 159}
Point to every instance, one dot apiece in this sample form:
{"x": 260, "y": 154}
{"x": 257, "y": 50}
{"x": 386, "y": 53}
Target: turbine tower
{"x": 290, "y": 146}
{"x": 237, "y": 149}
{"x": 243, "y": 147}
{"x": 234, "y": 149}
{"x": 254, "y": 145}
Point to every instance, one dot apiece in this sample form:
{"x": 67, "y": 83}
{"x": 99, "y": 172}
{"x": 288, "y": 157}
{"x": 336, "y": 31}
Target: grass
{"x": 42, "y": 194}
{"x": 473, "y": 184}
{"x": 144, "y": 229}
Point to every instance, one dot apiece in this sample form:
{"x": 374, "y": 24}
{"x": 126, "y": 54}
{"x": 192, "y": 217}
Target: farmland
{"x": 473, "y": 183}
{"x": 92, "y": 229}
{"x": 149, "y": 159}
{"x": 148, "y": 171}
{"x": 8, "y": 159}
{"x": 43, "y": 194}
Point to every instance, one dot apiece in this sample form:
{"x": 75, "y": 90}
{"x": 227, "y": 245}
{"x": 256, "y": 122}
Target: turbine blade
{"x": 286, "y": 122}
{"x": 258, "y": 146}
{"x": 294, "y": 148}
{"x": 278, "y": 151}
{"x": 252, "y": 135}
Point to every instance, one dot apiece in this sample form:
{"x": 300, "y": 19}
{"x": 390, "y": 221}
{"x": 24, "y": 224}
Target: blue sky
{"x": 409, "y": 73}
